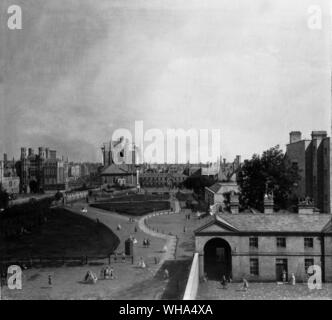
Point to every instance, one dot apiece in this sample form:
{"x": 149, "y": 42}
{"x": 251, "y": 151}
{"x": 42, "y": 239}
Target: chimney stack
{"x": 306, "y": 207}
{"x": 234, "y": 203}
{"x": 295, "y": 136}
{"x": 318, "y": 135}
{"x": 268, "y": 204}
{"x": 5, "y": 159}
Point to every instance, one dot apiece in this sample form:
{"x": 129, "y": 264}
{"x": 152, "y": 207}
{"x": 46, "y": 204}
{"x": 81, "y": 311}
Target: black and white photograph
{"x": 165, "y": 150}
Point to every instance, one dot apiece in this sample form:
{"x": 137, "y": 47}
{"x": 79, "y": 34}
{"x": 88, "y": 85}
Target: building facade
{"x": 9, "y": 180}
{"x": 261, "y": 247}
{"x": 42, "y": 171}
{"x": 312, "y": 159}
{"x": 162, "y": 179}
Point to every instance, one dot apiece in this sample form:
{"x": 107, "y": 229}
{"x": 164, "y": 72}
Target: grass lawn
{"x": 136, "y": 197}
{"x": 133, "y": 208}
{"x": 64, "y": 234}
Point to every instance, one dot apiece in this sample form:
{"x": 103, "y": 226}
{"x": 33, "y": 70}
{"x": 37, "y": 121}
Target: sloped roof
{"x": 215, "y": 188}
{"x": 290, "y": 222}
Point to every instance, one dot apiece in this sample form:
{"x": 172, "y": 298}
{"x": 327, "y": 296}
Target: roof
{"x": 115, "y": 169}
{"x": 215, "y": 188}
{"x": 287, "y": 222}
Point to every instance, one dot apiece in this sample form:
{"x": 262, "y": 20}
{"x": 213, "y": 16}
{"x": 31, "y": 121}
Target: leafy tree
{"x": 58, "y": 196}
{"x": 198, "y": 183}
{"x": 267, "y": 173}
{"x": 4, "y": 198}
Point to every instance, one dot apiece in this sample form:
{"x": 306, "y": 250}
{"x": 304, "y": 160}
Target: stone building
{"x": 216, "y": 194}
{"x": 261, "y": 246}
{"x": 162, "y": 179}
{"x": 118, "y": 152}
{"x": 122, "y": 175}
{"x": 9, "y": 179}
{"x": 42, "y": 171}
{"x": 312, "y": 159}
{"x": 220, "y": 192}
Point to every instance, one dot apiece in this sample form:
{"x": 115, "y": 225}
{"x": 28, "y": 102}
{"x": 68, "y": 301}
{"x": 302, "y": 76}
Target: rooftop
{"x": 286, "y": 222}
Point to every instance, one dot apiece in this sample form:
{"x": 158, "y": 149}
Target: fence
{"x": 43, "y": 262}
{"x": 72, "y": 196}
{"x": 193, "y": 280}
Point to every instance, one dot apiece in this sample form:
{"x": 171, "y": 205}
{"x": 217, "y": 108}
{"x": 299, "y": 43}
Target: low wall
{"x": 193, "y": 280}
{"x": 76, "y": 195}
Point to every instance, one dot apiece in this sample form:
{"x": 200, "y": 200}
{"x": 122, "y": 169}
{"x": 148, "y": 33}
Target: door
{"x": 281, "y": 267}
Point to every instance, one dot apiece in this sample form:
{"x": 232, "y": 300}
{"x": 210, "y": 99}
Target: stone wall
{"x": 193, "y": 280}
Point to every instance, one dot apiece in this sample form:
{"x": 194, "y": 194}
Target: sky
{"x": 81, "y": 69}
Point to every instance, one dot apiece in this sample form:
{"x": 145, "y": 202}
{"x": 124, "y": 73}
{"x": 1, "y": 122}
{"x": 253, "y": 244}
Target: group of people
{"x": 146, "y": 243}
{"x": 133, "y": 239}
{"x": 105, "y": 273}
{"x": 245, "y": 283}
{"x": 131, "y": 220}
{"x": 224, "y": 281}
{"x": 188, "y": 216}
{"x": 292, "y": 279}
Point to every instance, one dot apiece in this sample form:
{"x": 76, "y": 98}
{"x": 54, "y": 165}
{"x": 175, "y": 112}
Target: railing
{"x": 42, "y": 262}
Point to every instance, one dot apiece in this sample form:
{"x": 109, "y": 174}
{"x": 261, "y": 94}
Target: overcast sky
{"x": 80, "y": 69}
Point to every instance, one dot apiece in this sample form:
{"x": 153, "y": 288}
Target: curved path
{"x": 111, "y": 218}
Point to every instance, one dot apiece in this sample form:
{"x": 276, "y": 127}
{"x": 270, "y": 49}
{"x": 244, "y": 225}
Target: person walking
{"x": 50, "y": 280}
{"x": 223, "y": 282}
{"x": 166, "y": 274}
{"x": 284, "y": 276}
{"x": 245, "y": 284}
{"x": 293, "y": 280}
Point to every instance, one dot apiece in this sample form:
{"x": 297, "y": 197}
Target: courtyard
{"x": 212, "y": 290}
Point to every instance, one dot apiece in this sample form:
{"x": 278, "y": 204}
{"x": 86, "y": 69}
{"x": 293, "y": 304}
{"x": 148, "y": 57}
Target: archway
{"x": 217, "y": 259}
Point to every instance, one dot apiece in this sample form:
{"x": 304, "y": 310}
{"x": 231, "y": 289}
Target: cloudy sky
{"x": 80, "y": 69}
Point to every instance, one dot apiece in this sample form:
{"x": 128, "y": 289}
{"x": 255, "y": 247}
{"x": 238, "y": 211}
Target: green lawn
{"x": 134, "y": 208}
{"x": 136, "y": 197}
{"x": 64, "y": 234}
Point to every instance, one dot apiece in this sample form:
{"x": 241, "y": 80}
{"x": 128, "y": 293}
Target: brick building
{"x": 312, "y": 158}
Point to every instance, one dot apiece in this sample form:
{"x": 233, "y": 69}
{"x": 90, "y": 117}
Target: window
{"x": 308, "y": 243}
{"x": 281, "y": 242}
{"x": 307, "y": 264}
{"x": 253, "y": 243}
{"x": 254, "y": 269}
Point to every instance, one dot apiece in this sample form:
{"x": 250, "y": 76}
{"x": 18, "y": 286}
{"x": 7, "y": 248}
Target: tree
{"x": 4, "y": 198}
{"x": 267, "y": 173}
{"x": 198, "y": 183}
